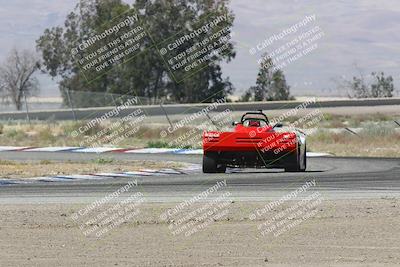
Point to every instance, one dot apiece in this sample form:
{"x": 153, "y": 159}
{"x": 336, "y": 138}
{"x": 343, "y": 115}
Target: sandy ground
{"x": 341, "y": 233}
{"x": 30, "y": 169}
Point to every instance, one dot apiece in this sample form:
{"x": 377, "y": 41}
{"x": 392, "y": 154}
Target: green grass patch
{"x": 103, "y": 160}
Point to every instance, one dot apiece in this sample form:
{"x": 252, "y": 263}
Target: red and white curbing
{"x": 101, "y": 150}
{"x": 189, "y": 168}
{"x": 121, "y": 150}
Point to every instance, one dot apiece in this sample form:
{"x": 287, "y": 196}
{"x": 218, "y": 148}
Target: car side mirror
{"x": 278, "y": 125}
{"x": 234, "y": 123}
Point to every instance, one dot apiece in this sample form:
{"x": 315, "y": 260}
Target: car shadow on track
{"x": 270, "y": 171}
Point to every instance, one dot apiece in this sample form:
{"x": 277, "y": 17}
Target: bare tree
{"x": 16, "y": 80}
{"x": 357, "y": 87}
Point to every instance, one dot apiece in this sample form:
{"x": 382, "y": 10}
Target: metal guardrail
{"x": 172, "y": 109}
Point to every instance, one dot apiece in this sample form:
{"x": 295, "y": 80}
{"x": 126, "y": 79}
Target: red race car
{"x": 254, "y": 143}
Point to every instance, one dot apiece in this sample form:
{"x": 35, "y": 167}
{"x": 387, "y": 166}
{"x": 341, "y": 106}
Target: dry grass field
{"x": 378, "y": 135}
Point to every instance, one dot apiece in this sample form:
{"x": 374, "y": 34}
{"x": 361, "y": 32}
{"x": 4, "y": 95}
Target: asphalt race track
{"x": 336, "y": 178}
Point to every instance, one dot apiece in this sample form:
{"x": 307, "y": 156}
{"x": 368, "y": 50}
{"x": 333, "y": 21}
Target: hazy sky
{"x": 362, "y": 32}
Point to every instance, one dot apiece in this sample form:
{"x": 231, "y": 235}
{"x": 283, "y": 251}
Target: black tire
{"x": 304, "y": 167}
{"x": 292, "y": 169}
{"x": 293, "y": 161}
{"x": 221, "y": 168}
{"x": 209, "y": 163}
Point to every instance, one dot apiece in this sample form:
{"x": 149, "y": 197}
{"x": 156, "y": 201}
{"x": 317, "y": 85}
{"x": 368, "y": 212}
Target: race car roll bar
{"x": 259, "y": 112}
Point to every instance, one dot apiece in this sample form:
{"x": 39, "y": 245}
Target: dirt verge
{"x": 342, "y": 233}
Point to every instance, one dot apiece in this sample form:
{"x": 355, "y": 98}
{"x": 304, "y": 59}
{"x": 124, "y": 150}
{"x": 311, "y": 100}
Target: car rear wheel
{"x": 294, "y": 162}
{"x": 304, "y": 159}
{"x": 210, "y": 163}
{"x": 221, "y": 168}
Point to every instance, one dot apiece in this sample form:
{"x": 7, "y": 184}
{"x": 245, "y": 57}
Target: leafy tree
{"x": 382, "y": 86}
{"x": 377, "y": 85}
{"x": 147, "y": 73}
{"x": 359, "y": 88}
{"x": 270, "y": 84}
{"x": 279, "y": 89}
{"x": 247, "y": 95}
{"x": 16, "y": 77}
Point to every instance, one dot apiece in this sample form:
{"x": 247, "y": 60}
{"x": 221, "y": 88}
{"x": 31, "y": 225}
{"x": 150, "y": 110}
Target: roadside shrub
{"x": 377, "y": 130}
{"x": 146, "y": 132}
{"x": 157, "y": 144}
{"x": 45, "y": 135}
{"x": 15, "y": 134}
{"x": 103, "y": 160}
{"x": 70, "y": 127}
{"x": 328, "y": 137}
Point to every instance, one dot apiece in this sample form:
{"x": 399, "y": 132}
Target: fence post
{"x": 113, "y": 99}
{"x": 213, "y": 122}
{"x": 71, "y": 105}
{"x": 116, "y": 105}
{"x": 166, "y": 115}
{"x": 26, "y": 108}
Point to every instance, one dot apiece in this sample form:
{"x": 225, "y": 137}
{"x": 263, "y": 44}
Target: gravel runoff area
{"x": 362, "y": 232}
